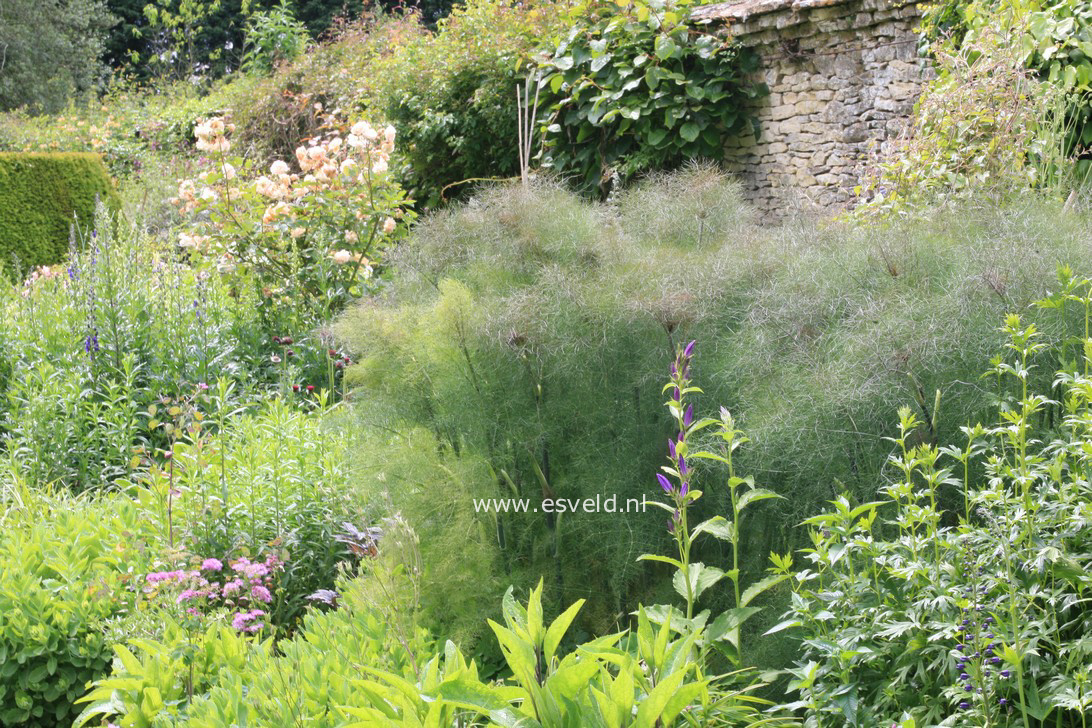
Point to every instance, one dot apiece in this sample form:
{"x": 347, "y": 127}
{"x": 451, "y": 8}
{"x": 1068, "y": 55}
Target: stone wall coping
{"x": 739, "y": 11}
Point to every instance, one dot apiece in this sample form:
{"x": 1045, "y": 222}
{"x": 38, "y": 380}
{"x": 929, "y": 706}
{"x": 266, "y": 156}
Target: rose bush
{"x": 312, "y": 235}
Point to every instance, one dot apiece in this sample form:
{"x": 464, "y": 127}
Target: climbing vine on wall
{"x": 635, "y": 86}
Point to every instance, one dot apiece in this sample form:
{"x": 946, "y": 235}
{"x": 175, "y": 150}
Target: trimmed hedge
{"x": 40, "y": 196}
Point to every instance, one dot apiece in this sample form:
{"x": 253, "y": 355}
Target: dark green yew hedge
{"x": 41, "y": 196}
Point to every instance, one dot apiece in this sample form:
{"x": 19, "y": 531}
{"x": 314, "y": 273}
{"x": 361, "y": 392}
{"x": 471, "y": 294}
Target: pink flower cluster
{"x": 245, "y": 621}
{"x": 212, "y": 586}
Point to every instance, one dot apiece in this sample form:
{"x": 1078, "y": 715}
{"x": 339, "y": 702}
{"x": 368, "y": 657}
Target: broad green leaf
{"x": 754, "y": 495}
{"x": 700, "y": 578}
{"x": 665, "y": 559}
{"x": 786, "y": 624}
{"x": 470, "y": 694}
{"x": 652, "y": 707}
{"x": 665, "y": 47}
{"x": 558, "y": 629}
{"x": 717, "y": 526}
{"x": 726, "y": 625}
{"x": 759, "y": 587}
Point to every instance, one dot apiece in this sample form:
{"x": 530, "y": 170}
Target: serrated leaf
{"x": 754, "y": 495}
{"x": 700, "y": 578}
{"x": 717, "y": 526}
{"x": 759, "y": 587}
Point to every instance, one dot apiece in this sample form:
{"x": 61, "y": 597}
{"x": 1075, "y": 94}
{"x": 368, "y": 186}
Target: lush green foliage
{"x": 1008, "y": 112}
{"x": 221, "y": 507}
{"x": 384, "y": 675}
{"x": 1052, "y": 39}
{"x": 42, "y": 196}
{"x": 511, "y": 355}
{"x": 314, "y": 678}
{"x": 66, "y": 565}
{"x": 451, "y": 95}
{"x": 911, "y": 610}
{"x": 51, "y": 51}
{"x": 273, "y": 37}
{"x": 637, "y": 88}
{"x": 251, "y": 485}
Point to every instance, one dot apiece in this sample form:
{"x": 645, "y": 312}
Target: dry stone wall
{"x": 843, "y": 77}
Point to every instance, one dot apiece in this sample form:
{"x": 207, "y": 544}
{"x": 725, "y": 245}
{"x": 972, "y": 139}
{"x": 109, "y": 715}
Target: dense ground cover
{"x": 247, "y": 424}
{"x": 485, "y": 369}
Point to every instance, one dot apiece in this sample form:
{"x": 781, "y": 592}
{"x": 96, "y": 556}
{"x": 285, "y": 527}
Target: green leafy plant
{"x": 67, "y": 564}
{"x": 1005, "y": 115}
{"x": 273, "y": 37}
{"x": 451, "y": 94}
{"x": 636, "y": 88}
{"x": 976, "y": 614}
{"x": 310, "y": 238}
{"x": 155, "y": 678}
{"x": 693, "y": 578}
{"x": 1051, "y": 39}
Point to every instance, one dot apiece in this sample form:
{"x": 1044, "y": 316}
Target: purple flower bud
{"x": 685, "y": 488}
{"x": 689, "y": 350}
{"x": 671, "y": 447}
{"x": 677, "y": 394}
{"x": 688, "y": 418}
{"x": 664, "y": 482}
{"x": 682, "y": 467}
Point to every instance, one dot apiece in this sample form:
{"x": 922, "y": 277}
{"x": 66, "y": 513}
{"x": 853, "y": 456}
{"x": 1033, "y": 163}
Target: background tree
{"x": 50, "y": 50}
